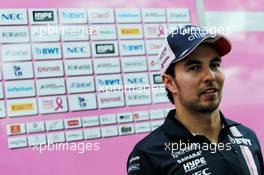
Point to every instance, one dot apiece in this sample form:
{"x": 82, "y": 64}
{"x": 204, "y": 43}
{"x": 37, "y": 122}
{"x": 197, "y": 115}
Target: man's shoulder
{"x": 153, "y": 140}
{"x": 241, "y": 129}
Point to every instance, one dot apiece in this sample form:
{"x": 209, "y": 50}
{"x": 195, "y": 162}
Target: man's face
{"x": 199, "y": 80}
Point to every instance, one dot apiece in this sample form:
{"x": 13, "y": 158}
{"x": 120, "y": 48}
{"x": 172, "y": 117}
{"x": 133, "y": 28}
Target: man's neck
{"x": 206, "y": 124}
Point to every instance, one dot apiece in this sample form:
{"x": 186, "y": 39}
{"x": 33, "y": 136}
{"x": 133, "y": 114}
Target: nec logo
{"x": 105, "y": 48}
{"x": 43, "y": 16}
{"x": 136, "y": 80}
{"x": 203, "y": 172}
{"x": 133, "y": 47}
{"x": 12, "y": 16}
{"x": 77, "y": 50}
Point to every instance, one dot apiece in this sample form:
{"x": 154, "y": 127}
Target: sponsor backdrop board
{"x": 80, "y": 86}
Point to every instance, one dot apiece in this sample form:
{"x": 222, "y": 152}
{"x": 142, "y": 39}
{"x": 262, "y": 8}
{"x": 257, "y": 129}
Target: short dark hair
{"x": 170, "y": 71}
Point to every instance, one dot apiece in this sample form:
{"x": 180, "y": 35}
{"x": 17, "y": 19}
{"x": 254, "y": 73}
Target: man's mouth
{"x": 209, "y": 91}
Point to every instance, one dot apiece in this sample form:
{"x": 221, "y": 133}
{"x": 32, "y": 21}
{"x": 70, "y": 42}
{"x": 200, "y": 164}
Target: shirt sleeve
{"x": 139, "y": 164}
{"x": 260, "y": 155}
{"x": 261, "y": 159}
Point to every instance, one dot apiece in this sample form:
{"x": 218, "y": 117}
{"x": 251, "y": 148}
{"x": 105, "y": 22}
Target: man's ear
{"x": 169, "y": 83}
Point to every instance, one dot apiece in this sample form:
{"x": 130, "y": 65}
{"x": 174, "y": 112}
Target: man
{"x": 196, "y": 138}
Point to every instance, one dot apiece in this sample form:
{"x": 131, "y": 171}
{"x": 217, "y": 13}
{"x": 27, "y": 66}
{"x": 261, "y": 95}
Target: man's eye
{"x": 215, "y": 65}
{"x": 195, "y": 68}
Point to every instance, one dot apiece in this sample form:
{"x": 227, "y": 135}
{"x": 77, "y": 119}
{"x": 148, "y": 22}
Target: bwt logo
{"x": 77, "y": 50}
{"x": 43, "y": 16}
{"x": 12, "y": 16}
{"x": 109, "y": 82}
{"x": 73, "y": 15}
{"x": 104, "y": 48}
{"x": 47, "y": 51}
{"x": 133, "y": 47}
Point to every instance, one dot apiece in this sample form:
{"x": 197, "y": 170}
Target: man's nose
{"x": 209, "y": 75}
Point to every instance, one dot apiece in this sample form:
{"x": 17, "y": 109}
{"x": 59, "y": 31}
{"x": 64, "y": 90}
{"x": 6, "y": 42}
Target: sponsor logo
{"x": 138, "y": 97}
{"x": 136, "y": 80}
{"x": 20, "y": 89}
{"x": 194, "y": 164}
{"x": 21, "y": 107}
{"x": 52, "y": 104}
{"x": 48, "y": 104}
{"x": 190, "y": 156}
{"x": 78, "y": 67}
{"x": 132, "y": 31}
{"x": 49, "y": 69}
{"x": 43, "y": 16}
{"x": 126, "y": 129}
{"x": 82, "y": 102}
{"x": 109, "y": 100}
{"x": 178, "y": 15}
{"x": 15, "y": 129}
{"x": 240, "y": 141}
{"x": 109, "y": 82}
{"x": 35, "y": 125}
{"x": 47, "y": 51}
{"x": 180, "y": 152}
{"x": 104, "y": 48}
{"x": 158, "y": 31}
{"x": 101, "y": 15}
{"x": 80, "y": 84}
{"x": 133, "y": 48}
{"x": 134, "y": 159}
{"x": 77, "y": 50}
{"x": 73, "y": 123}
{"x": 202, "y": 172}
{"x": 17, "y": 71}
{"x": 132, "y": 64}
{"x": 128, "y": 15}
{"x": 16, "y": 53}
{"x": 14, "y": 34}
{"x": 162, "y": 55}
{"x": 154, "y": 46}
{"x": 73, "y": 15}
{"x": 12, "y": 16}
{"x": 51, "y": 86}
{"x": 124, "y": 117}
{"x": 154, "y": 15}
{"x": 106, "y": 32}
{"x": 107, "y": 65}
{"x": 153, "y": 63}
{"x": 157, "y": 79}
{"x": 133, "y": 168}
{"x": 54, "y": 125}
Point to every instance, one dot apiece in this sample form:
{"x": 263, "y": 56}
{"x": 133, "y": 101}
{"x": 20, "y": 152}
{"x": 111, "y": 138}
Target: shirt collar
{"x": 174, "y": 127}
